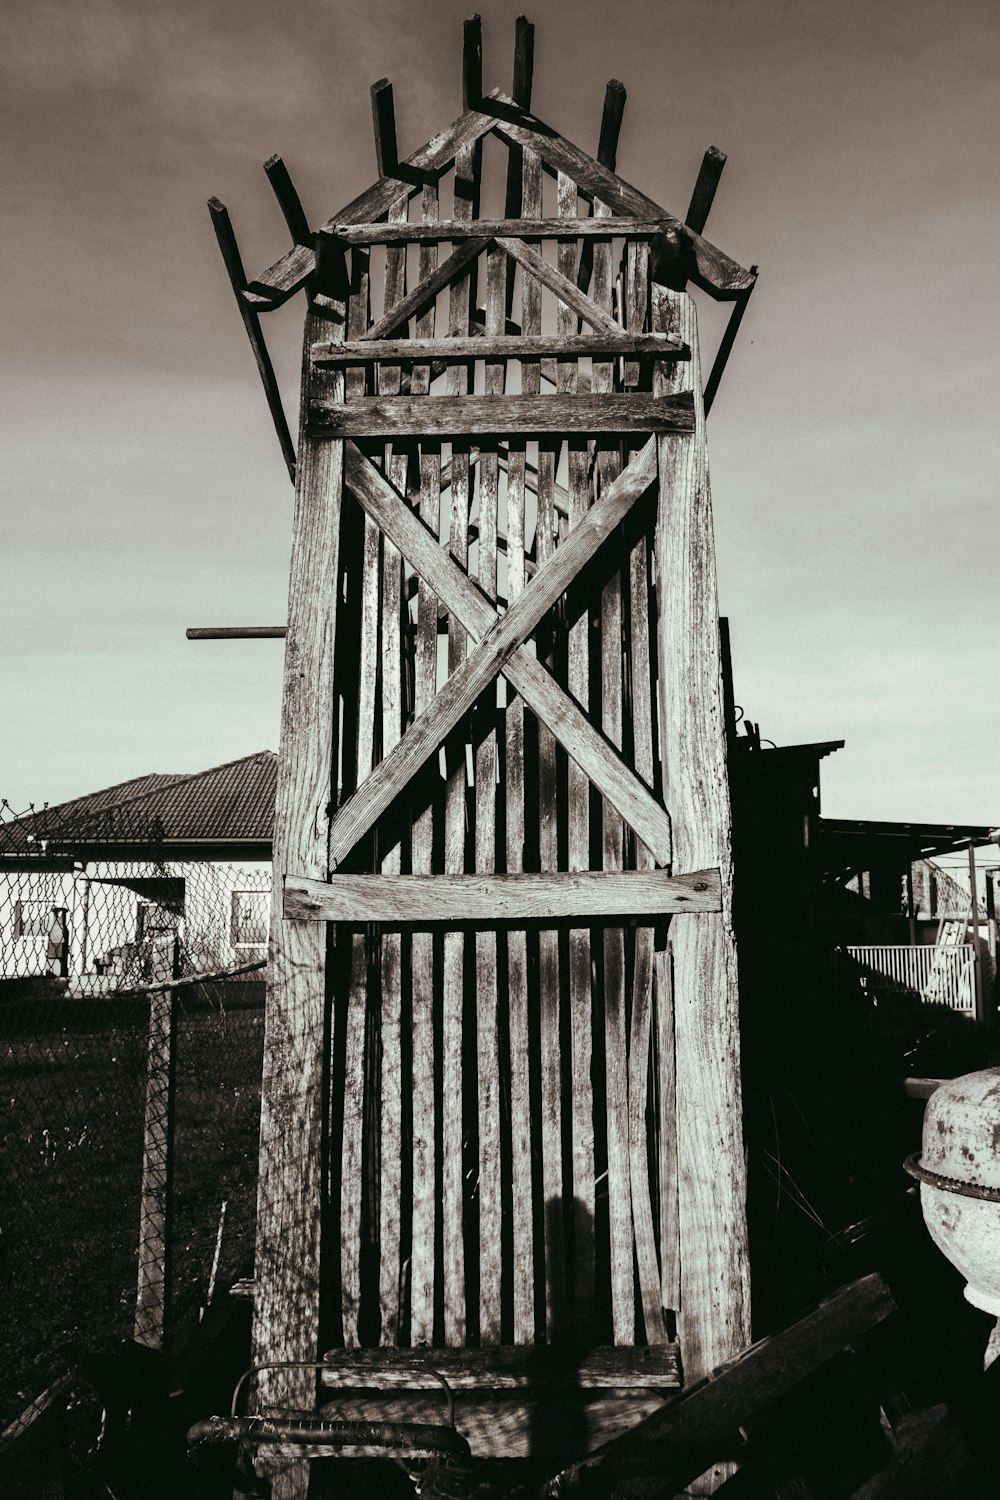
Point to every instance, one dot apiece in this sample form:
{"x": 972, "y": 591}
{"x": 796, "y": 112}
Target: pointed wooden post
{"x": 714, "y": 1312}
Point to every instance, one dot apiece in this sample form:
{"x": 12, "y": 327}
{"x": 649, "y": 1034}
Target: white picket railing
{"x": 941, "y": 974}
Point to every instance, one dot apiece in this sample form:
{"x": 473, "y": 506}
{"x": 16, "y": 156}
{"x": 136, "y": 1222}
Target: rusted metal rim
{"x": 950, "y": 1184}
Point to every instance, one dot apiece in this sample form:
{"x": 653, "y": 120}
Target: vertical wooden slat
{"x": 548, "y": 833}
{"x": 666, "y": 1088}
{"x": 422, "y": 1258}
{"x": 488, "y": 1091}
{"x": 578, "y": 830}
{"x": 391, "y": 1081}
{"x": 647, "y": 1264}
{"x": 714, "y": 1318}
{"x": 152, "y": 1297}
{"x": 290, "y": 1186}
{"x": 453, "y": 1249}
{"x": 352, "y": 1139}
{"x": 522, "y": 1234}
{"x": 636, "y": 299}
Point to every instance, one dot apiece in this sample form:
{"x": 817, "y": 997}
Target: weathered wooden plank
{"x": 522, "y": 1226}
{"x": 670, "y": 1444}
{"x": 711, "y": 269}
{"x": 352, "y": 1138}
{"x": 481, "y": 346}
{"x": 636, "y": 300}
{"x": 427, "y": 289}
{"x": 647, "y": 1263}
{"x": 554, "y": 895}
{"x": 666, "y": 1087}
{"x": 460, "y": 300}
{"x": 392, "y": 712}
{"x": 513, "y": 1424}
{"x": 557, "y": 281}
{"x": 485, "y": 736}
{"x": 425, "y": 1180}
{"x": 526, "y": 674}
{"x": 577, "y": 814}
{"x": 288, "y": 200}
{"x": 426, "y": 416}
{"x": 292, "y": 1174}
{"x": 506, "y": 1367}
{"x": 455, "y": 230}
{"x": 714, "y": 1300}
{"x": 282, "y": 280}
{"x": 490, "y": 657}
{"x": 384, "y": 124}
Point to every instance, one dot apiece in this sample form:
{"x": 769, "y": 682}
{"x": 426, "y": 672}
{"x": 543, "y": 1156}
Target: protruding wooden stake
{"x": 234, "y": 265}
{"x": 472, "y": 63}
{"x": 288, "y": 200}
{"x": 703, "y": 196}
{"x": 524, "y": 61}
{"x": 384, "y": 121}
{"x": 332, "y": 278}
{"x": 607, "y": 155}
{"x": 611, "y": 123}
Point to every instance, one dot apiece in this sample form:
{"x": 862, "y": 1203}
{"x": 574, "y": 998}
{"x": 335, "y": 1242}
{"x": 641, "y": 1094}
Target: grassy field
{"x": 72, "y": 1076}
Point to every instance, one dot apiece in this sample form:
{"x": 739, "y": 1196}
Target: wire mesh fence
{"x": 131, "y": 1040}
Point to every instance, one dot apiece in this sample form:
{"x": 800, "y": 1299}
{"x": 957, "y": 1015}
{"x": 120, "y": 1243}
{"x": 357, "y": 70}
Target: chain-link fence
{"x": 131, "y": 1039}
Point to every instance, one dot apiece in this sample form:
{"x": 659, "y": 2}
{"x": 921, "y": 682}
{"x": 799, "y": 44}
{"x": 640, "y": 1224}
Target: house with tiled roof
{"x": 90, "y": 886}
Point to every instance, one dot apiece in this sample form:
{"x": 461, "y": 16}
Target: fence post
{"x": 151, "y": 1307}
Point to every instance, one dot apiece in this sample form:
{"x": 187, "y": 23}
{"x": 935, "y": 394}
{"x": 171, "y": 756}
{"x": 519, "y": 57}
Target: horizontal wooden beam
{"x": 527, "y": 229}
{"x": 236, "y": 632}
{"x": 599, "y": 760}
{"x": 430, "y": 416}
{"x": 550, "y": 346}
{"x": 587, "y": 895}
{"x": 505, "y": 1367}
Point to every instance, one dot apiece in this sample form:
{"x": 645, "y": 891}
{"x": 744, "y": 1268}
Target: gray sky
{"x": 853, "y": 444}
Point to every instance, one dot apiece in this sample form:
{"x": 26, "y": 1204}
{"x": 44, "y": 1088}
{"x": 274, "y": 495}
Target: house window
{"x": 32, "y": 918}
{"x": 249, "y": 919}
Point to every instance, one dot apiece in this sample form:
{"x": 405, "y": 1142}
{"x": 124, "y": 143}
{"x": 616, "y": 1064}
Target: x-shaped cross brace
{"x": 499, "y": 648}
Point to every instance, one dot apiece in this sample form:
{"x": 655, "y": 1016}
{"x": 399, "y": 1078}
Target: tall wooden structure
{"x": 501, "y": 1102}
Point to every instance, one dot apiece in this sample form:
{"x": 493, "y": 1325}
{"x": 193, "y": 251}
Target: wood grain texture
{"x": 460, "y": 299}
{"x": 506, "y": 1367}
{"x": 671, "y": 1442}
{"x": 352, "y": 1160}
{"x": 424, "y": 416}
{"x": 486, "y": 766}
{"x": 711, "y": 269}
{"x": 491, "y": 655}
{"x": 283, "y": 279}
{"x": 289, "y": 1203}
{"x": 391, "y": 1083}
{"x": 522, "y": 1216}
{"x": 666, "y": 1088}
{"x": 525, "y": 673}
{"x": 515, "y": 1424}
{"x": 424, "y": 1126}
{"x": 714, "y": 1300}
{"x": 484, "y": 898}
{"x": 577, "y": 804}
{"x": 427, "y": 288}
{"x": 510, "y": 346}
{"x": 461, "y": 229}
{"x": 557, "y": 281}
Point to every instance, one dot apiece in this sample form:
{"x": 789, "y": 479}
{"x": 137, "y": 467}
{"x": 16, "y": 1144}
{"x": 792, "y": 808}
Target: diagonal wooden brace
{"x": 500, "y": 648}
